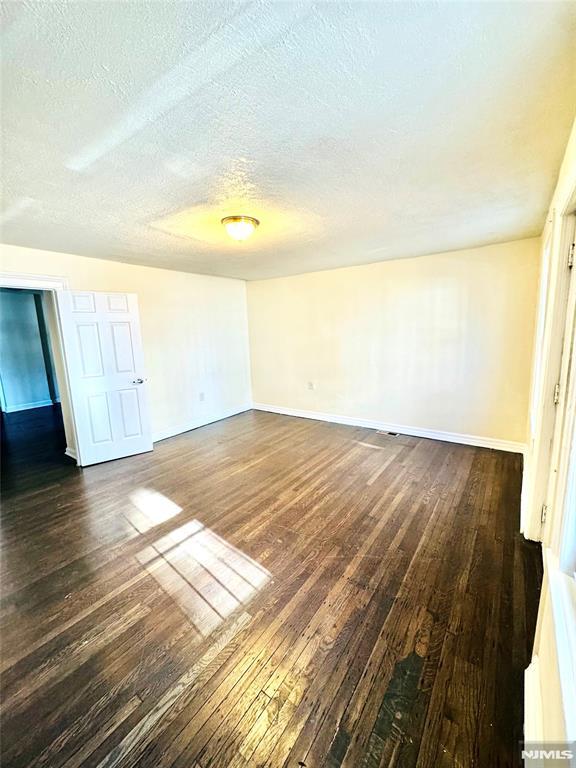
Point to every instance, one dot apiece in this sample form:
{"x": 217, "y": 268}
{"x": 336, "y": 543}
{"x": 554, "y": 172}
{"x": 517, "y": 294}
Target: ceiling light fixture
{"x": 240, "y": 227}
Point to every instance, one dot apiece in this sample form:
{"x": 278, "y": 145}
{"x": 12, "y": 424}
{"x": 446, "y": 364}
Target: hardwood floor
{"x": 267, "y": 591}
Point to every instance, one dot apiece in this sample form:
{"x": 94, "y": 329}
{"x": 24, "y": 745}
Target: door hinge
{"x": 543, "y": 513}
{"x": 571, "y": 255}
{"x": 557, "y": 393}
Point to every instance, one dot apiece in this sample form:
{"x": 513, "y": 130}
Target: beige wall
{"x": 194, "y": 330}
{"x": 441, "y": 342}
{"x": 438, "y": 343}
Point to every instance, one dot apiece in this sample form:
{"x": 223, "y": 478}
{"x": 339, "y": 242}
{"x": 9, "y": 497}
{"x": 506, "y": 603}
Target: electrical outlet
{"x": 311, "y": 385}
{"x": 201, "y": 397}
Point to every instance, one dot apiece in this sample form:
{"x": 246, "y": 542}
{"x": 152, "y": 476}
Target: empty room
{"x": 288, "y": 384}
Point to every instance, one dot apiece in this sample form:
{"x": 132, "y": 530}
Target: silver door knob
{"x": 138, "y": 381}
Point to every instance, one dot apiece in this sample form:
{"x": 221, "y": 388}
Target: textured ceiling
{"x": 355, "y": 132}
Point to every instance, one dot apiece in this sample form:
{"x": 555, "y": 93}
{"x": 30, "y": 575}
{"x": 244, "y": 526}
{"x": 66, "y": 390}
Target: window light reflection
{"x": 205, "y": 575}
{"x": 152, "y": 508}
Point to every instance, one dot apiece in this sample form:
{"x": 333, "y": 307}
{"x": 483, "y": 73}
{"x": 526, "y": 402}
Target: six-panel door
{"x": 103, "y": 349}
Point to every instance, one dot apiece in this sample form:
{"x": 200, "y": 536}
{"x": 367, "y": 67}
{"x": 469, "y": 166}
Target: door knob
{"x": 138, "y": 381}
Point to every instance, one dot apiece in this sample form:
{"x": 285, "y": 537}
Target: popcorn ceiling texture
{"x": 356, "y": 132}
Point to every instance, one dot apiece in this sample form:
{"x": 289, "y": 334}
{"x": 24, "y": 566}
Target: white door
{"x": 104, "y": 359}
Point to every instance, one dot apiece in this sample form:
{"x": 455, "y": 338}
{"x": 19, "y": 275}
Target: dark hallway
{"x": 33, "y": 445}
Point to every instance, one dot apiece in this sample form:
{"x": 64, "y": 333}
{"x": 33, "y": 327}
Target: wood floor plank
{"x": 264, "y": 591}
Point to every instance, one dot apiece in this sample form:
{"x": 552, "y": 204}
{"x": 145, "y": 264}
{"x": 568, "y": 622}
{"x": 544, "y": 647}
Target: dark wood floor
{"x": 266, "y": 591}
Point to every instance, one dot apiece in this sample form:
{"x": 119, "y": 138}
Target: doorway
{"x": 33, "y": 435}
{"x": 99, "y": 366}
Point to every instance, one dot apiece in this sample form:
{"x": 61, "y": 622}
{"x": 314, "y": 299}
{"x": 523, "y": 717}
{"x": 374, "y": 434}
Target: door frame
{"x": 555, "y": 527}
{"x": 554, "y": 298}
{"x": 33, "y": 282}
{"x": 53, "y": 285}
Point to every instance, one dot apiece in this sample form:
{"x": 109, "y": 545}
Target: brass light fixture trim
{"x": 240, "y": 227}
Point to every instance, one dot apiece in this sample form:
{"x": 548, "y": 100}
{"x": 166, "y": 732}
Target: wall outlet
{"x": 311, "y": 385}
{"x": 201, "y": 397}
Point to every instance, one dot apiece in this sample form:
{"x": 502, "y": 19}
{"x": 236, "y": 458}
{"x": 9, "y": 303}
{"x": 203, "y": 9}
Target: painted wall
{"x": 194, "y": 330}
{"x": 440, "y": 343}
{"x": 25, "y": 358}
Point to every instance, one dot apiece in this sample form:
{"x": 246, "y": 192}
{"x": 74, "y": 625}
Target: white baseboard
{"x": 432, "y": 434}
{"x": 71, "y": 452}
{"x": 533, "y": 729}
{"x": 163, "y": 434}
{"x": 28, "y": 406}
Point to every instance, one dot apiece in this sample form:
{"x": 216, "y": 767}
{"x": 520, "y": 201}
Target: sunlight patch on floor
{"x": 206, "y": 576}
{"x": 151, "y": 508}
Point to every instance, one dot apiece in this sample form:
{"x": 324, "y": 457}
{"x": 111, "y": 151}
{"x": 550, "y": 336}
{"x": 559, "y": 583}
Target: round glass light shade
{"x": 240, "y": 227}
